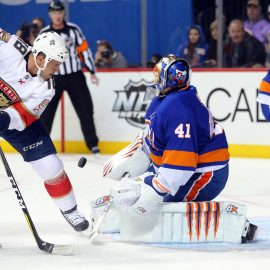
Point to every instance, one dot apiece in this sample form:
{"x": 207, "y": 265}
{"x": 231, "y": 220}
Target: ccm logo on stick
{"x": 31, "y": 146}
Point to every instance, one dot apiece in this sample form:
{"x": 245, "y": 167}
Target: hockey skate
{"x": 95, "y": 150}
{"x": 77, "y": 221}
{"x": 250, "y": 232}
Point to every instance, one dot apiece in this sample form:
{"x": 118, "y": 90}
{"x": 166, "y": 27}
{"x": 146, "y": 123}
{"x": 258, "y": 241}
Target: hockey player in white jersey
{"x": 26, "y": 87}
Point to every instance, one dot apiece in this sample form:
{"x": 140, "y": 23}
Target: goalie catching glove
{"x": 134, "y": 196}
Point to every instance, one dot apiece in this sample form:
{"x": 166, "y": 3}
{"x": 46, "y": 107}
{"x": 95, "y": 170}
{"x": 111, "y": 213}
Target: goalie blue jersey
{"x": 264, "y": 90}
{"x": 183, "y": 139}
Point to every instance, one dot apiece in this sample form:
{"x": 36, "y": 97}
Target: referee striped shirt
{"x": 80, "y": 55}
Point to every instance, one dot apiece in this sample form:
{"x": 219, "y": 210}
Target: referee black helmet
{"x": 56, "y": 5}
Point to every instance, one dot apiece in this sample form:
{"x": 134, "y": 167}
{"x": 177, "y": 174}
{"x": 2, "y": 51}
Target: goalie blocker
{"x": 193, "y": 222}
{"x": 132, "y": 161}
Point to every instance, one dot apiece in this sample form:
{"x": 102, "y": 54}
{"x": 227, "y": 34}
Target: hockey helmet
{"x": 52, "y": 45}
{"x": 169, "y": 72}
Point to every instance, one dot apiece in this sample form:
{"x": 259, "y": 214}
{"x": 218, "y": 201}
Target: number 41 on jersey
{"x": 183, "y": 131}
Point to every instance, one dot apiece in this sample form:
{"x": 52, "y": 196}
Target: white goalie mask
{"x": 52, "y": 45}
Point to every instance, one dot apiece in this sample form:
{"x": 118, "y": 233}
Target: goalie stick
{"x": 95, "y": 231}
{"x": 42, "y": 245}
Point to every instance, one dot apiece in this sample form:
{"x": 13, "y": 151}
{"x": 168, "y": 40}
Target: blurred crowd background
{"x": 142, "y": 31}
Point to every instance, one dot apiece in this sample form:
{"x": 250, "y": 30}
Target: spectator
{"x": 154, "y": 60}
{"x": 195, "y": 50}
{"x": 71, "y": 77}
{"x": 107, "y": 57}
{"x": 242, "y": 50}
{"x": 256, "y": 25}
{"x": 28, "y": 33}
{"x": 212, "y": 52}
{"x": 39, "y": 22}
{"x": 267, "y": 63}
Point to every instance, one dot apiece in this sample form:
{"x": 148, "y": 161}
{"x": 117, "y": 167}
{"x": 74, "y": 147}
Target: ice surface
{"x": 249, "y": 183}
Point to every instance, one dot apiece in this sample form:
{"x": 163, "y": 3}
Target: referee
{"x": 71, "y": 77}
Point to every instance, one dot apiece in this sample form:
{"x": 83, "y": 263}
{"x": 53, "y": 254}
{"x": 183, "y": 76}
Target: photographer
{"x": 28, "y": 32}
{"x": 39, "y": 22}
{"x": 106, "y": 57}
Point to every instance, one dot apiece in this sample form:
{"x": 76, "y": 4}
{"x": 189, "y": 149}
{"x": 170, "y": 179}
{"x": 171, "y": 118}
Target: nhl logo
{"x": 129, "y": 103}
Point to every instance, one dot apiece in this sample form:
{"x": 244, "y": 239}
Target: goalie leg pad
{"x": 192, "y": 222}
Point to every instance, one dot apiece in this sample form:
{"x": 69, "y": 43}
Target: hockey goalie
{"x": 170, "y": 175}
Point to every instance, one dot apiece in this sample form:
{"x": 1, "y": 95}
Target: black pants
{"x": 75, "y": 85}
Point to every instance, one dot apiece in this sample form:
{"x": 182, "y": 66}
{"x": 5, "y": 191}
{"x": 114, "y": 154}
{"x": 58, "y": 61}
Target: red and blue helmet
{"x": 170, "y": 72}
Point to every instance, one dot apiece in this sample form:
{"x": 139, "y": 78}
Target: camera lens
{"x": 106, "y": 54}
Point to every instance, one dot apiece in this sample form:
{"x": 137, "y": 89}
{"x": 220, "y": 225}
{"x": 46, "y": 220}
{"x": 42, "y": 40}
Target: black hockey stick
{"x": 42, "y": 245}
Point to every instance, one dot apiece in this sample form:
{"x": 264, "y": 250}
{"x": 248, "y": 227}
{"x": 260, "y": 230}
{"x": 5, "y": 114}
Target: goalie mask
{"x": 52, "y": 45}
{"x": 169, "y": 72}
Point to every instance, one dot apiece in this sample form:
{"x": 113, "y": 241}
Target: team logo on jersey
{"x": 4, "y": 102}
{"x": 129, "y": 103}
{"x": 7, "y": 95}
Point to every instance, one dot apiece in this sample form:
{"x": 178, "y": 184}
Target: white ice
{"x": 248, "y": 183}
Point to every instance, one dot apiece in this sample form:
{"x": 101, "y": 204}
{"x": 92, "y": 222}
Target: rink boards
{"x": 119, "y": 110}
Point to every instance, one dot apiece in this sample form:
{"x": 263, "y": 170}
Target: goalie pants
{"x": 201, "y": 187}
{"x": 76, "y": 87}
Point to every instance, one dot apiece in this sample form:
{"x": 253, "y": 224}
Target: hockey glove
{"x": 134, "y": 196}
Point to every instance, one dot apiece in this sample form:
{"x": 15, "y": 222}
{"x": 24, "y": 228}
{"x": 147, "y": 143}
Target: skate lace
{"x": 74, "y": 217}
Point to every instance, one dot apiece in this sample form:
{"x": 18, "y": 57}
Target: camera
{"x": 28, "y": 31}
{"x": 106, "y": 54}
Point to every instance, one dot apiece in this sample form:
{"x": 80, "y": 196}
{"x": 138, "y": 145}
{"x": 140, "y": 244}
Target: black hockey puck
{"x": 82, "y": 162}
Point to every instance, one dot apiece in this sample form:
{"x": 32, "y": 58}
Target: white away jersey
{"x": 23, "y": 96}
